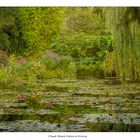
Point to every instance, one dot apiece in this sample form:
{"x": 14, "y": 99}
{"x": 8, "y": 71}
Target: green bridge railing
{"x": 87, "y": 61}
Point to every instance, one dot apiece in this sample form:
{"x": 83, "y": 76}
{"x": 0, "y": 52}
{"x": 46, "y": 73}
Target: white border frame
{"x": 75, "y": 3}
{"x": 84, "y": 3}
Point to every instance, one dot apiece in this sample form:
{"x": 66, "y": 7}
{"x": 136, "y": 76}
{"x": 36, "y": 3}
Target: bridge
{"x": 88, "y": 61}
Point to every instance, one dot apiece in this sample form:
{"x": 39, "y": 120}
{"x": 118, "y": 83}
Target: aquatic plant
{"x": 48, "y": 104}
{"x": 21, "y": 98}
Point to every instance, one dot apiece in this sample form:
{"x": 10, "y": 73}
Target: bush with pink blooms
{"x": 18, "y": 74}
{"x": 23, "y": 72}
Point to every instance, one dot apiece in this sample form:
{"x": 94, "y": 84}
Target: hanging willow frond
{"x": 127, "y": 42}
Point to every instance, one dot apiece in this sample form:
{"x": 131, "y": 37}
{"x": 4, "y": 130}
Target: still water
{"x": 81, "y": 105}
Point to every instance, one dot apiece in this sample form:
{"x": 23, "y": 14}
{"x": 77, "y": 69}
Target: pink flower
{"x": 21, "y": 98}
{"x": 21, "y": 61}
{"x": 49, "y": 104}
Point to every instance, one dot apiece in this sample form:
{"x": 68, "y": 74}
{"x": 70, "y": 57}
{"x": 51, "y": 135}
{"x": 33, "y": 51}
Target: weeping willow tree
{"x": 125, "y": 58}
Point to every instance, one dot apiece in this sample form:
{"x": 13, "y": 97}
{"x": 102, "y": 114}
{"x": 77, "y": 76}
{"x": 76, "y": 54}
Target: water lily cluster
{"x": 33, "y": 102}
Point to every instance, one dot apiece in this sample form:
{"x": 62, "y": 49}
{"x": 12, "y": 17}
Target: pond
{"x": 67, "y": 105}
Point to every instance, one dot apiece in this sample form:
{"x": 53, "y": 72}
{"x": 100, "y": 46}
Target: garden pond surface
{"x": 96, "y": 105}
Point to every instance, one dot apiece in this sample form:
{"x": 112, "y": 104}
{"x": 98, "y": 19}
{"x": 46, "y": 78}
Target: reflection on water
{"x": 99, "y": 127}
{"x": 81, "y": 105}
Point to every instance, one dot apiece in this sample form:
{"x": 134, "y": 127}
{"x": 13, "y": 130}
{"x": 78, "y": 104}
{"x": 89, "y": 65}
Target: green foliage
{"x": 83, "y": 20}
{"x": 126, "y": 42}
{"x": 4, "y": 42}
{"x": 22, "y": 73}
{"x": 33, "y": 102}
{"x": 16, "y": 75}
{"x": 71, "y": 70}
{"x": 23, "y": 70}
{"x": 10, "y": 38}
{"x": 4, "y": 76}
{"x": 93, "y": 69}
{"x": 82, "y": 45}
{"x": 54, "y": 20}
{"x": 50, "y": 63}
{"x": 73, "y": 33}
{"x": 62, "y": 68}
{"x": 39, "y": 26}
{"x": 28, "y": 30}
{"x": 68, "y": 66}
{"x": 32, "y": 27}
{"x": 39, "y": 70}
{"x": 64, "y": 62}
{"x": 109, "y": 64}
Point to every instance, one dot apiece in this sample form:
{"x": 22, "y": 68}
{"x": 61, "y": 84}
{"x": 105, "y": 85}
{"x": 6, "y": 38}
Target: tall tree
{"x": 126, "y": 45}
{"x": 9, "y": 30}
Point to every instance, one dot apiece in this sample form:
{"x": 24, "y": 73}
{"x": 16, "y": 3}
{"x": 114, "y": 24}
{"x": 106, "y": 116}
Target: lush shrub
{"x": 4, "y": 76}
{"x": 23, "y": 73}
{"x": 82, "y": 45}
{"x": 18, "y": 74}
{"x": 64, "y": 62}
{"x": 8, "y": 80}
{"x": 85, "y": 46}
{"x": 93, "y": 70}
{"x": 50, "y": 63}
{"x": 50, "y": 59}
{"x": 70, "y": 71}
{"x": 3, "y": 59}
{"x": 109, "y": 64}
{"x": 24, "y": 70}
{"x": 57, "y": 67}
{"x": 39, "y": 70}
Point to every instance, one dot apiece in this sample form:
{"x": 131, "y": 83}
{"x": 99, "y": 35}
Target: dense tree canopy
{"x": 40, "y": 26}
{"x": 29, "y": 28}
{"x": 83, "y": 20}
{"x": 9, "y": 30}
{"x": 110, "y": 35}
